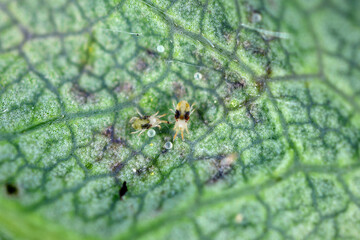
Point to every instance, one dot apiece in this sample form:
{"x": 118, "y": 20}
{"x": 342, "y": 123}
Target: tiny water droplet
{"x": 168, "y": 145}
{"x": 160, "y": 48}
{"x": 197, "y": 76}
{"x": 151, "y": 133}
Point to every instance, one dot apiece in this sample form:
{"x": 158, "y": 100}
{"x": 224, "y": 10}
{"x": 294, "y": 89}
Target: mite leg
{"x": 141, "y": 132}
{"x": 186, "y": 128}
{"x": 163, "y": 121}
{"x": 137, "y": 110}
{"x": 133, "y": 119}
{"x": 177, "y": 130}
{"x": 174, "y": 108}
{"x": 154, "y": 115}
{"x": 182, "y": 134}
{"x": 191, "y": 109}
{"x": 136, "y": 132}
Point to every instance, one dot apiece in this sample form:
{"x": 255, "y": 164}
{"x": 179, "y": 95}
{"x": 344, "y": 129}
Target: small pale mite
{"x": 182, "y": 116}
{"x": 143, "y": 123}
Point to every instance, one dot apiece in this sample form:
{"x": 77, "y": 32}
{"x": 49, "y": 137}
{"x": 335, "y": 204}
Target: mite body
{"x": 143, "y": 123}
{"x": 182, "y": 115}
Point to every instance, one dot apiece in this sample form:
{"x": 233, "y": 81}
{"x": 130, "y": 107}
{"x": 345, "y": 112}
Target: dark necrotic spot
{"x": 141, "y": 65}
{"x": 81, "y": 95}
{"x": 116, "y": 167}
{"x": 268, "y": 70}
{"x": 187, "y": 116}
{"x": 124, "y": 87}
{"x": 151, "y": 53}
{"x": 259, "y": 51}
{"x": 238, "y": 84}
{"x": 179, "y": 89}
{"x": 109, "y": 131}
{"x": 142, "y": 170}
{"x": 120, "y": 141}
{"x": 11, "y": 189}
{"x": 260, "y": 85}
{"x": 216, "y": 177}
{"x": 123, "y": 190}
{"x": 177, "y": 114}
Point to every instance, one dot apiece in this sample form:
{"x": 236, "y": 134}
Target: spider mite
{"x": 143, "y": 123}
{"x": 182, "y": 116}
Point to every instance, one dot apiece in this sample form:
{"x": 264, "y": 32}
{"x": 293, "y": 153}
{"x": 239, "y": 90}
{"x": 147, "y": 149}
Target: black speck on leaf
{"x": 123, "y": 190}
{"x": 11, "y": 189}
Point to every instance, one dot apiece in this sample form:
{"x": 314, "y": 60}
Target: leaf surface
{"x": 273, "y": 148}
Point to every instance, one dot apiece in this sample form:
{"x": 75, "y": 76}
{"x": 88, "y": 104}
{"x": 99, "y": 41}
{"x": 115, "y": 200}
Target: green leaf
{"x": 273, "y": 149}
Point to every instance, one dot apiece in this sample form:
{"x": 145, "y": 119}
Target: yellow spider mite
{"x": 143, "y": 123}
{"x": 182, "y": 115}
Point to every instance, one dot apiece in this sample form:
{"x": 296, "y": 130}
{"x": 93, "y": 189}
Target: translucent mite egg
{"x": 160, "y": 48}
{"x": 151, "y": 133}
{"x": 197, "y": 76}
{"x": 256, "y": 17}
{"x": 168, "y": 145}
